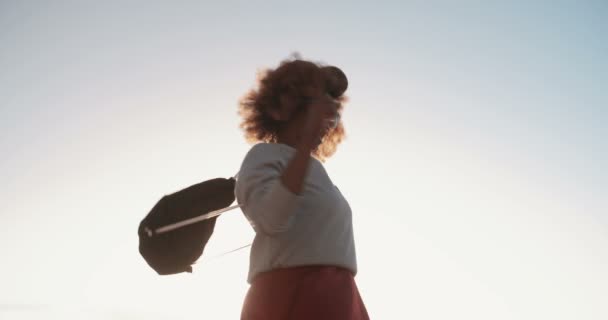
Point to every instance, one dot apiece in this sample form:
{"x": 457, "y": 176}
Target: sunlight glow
{"x": 474, "y": 161}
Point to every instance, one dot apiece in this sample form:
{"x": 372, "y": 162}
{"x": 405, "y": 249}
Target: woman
{"x": 303, "y": 260}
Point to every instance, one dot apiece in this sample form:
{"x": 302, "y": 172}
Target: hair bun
{"x": 337, "y": 83}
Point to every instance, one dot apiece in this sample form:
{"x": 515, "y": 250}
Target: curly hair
{"x": 293, "y": 77}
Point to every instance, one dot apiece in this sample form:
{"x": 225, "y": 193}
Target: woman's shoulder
{"x": 267, "y": 150}
{"x": 264, "y": 153}
{"x": 263, "y": 160}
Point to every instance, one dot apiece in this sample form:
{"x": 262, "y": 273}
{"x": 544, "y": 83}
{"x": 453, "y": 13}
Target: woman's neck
{"x": 290, "y": 140}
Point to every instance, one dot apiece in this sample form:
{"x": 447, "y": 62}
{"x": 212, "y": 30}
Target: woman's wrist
{"x": 305, "y": 147}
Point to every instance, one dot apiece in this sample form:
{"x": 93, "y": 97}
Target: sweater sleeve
{"x": 266, "y": 202}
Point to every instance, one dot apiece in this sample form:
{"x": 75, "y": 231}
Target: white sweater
{"x": 312, "y": 228}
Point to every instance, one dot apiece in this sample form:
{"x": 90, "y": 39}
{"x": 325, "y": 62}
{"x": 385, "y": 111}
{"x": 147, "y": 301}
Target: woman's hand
{"x": 314, "y": 126}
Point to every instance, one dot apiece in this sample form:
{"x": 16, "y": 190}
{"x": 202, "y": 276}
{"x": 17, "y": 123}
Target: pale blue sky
{"x": 475, "y": 162}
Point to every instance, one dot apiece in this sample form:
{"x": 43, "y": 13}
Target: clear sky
{"x": 475, "y": 162}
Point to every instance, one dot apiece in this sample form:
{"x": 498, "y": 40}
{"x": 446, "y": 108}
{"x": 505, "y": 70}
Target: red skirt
{"x": 316, "y": 292}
